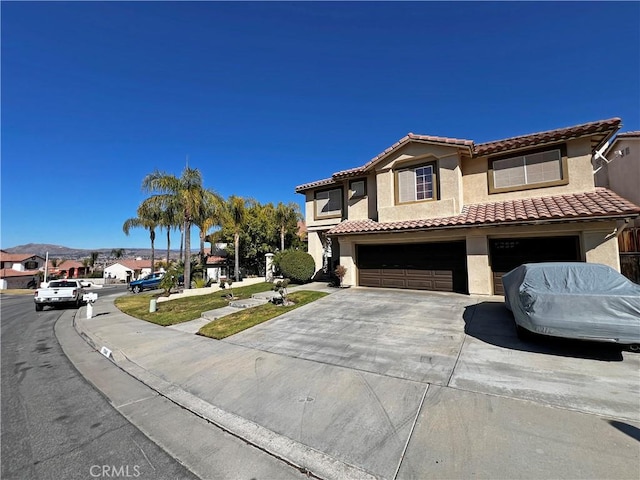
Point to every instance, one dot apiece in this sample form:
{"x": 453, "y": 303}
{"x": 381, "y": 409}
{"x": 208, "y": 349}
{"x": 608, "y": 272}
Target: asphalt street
{"x": 55, "y": 425}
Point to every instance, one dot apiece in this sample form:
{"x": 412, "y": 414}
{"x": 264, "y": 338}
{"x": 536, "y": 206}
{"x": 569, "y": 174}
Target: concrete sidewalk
{"x": 339, "y": 422}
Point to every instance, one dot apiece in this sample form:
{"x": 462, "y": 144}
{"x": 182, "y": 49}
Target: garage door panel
{"x": 438, "y": 280}
{"x": 371, "y": 277}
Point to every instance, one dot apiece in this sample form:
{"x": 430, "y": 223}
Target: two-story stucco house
{"x": 447, "y": 214}
{"x": 19, "y": 270}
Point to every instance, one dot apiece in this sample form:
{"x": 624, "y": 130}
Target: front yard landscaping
{"x": 243, "y": 319}
{"x": 183, "y": 309}
{"x": 190, "y": 308}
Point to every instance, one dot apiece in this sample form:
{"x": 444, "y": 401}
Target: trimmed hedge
{"x": 296, "y": 265}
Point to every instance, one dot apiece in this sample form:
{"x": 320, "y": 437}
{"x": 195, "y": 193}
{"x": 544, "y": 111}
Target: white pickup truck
{"x": 59, "y": 292}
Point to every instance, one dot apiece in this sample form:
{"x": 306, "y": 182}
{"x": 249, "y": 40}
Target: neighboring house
{"x": 216, "y": 262}
{"x": 19, "y": 270}
{"x": 67, "y": 269}
{"x": 618, "y": 169}
{"x": 127, "y": 270}
{"x": 438, "y": 213}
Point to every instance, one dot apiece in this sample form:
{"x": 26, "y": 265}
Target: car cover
{"x": 574, "y": 300}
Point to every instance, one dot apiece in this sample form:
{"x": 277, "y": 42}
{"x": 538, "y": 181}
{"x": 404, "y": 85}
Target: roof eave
{"x": 513, "y": 223}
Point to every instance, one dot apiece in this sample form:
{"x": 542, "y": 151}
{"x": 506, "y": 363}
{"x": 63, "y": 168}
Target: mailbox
{"x": 90, "y": 297}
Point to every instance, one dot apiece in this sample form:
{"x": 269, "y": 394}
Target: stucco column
{"x": 315, "y": 248}
{"x": 602, "y": 247}
{"x": 478, "y": 268}
{"x": 347, "y": 260}
{"x": 268, "y": 257}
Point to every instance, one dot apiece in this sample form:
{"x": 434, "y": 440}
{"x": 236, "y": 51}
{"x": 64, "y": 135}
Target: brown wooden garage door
{"x": 427, "y": 266}
{"x": 509, "y": 253}
{"x": 438, "y": 280}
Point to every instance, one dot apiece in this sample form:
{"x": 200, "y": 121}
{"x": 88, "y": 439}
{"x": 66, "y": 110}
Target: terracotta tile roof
{"x": 318, "y": 183}
{"x": 66, "y": 265}
{"x": 541, "y": 138}
{"x": 635, "y": 133}
{"x": 598, "y": 204}
{"x": 215, "y": 259}
{"x": 9, "y": 272}
{"x": 601, "y": 128}
{"x": 132, "y": 264}
{"x": 400, "y": 143}
{"x": 16, "y": 257}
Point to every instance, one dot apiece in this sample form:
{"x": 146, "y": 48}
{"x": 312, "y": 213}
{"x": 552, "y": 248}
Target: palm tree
{"x": 208, "y": 216}
{"x": 170, "y": 219}
{"x": 185, "y": 193}
{"x": 93, "y": 258}
{"x": 285, "y": 216}
{"x": 148, "y": 218}
{"x": 85, "y": 264}
{"x": 235, "y": 215}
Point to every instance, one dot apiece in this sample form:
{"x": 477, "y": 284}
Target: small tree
{"x": 171, "y": 278}
{"x": 281, "y": 287}
{"x": 340, "y": 272}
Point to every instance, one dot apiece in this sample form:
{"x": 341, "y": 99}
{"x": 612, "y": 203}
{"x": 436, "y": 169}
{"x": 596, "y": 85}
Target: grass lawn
{"x": 237, "y": 322}
{"x": 182, "y": 309}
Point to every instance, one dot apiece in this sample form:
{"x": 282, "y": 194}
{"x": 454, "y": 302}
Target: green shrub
{"x": 297, "y": 266}
{"x": 199, "y": 282}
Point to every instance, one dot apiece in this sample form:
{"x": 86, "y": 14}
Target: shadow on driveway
{"x": 627, "y": 429}
{"x": 492, "y": 323}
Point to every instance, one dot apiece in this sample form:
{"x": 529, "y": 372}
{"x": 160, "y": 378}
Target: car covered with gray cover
{"x": 586, "y": 301}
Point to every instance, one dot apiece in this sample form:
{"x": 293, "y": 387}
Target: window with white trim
{"x": 416, "y": 183}
{"x": 541, "y": 167}
{"x": 329, "y": 203}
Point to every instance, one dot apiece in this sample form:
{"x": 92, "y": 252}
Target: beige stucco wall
{"x": 622, "y": 174}
{"x": 314, "y": 247}
{"x": 478, "y": 268}
{"x": 601, "y": 246}
{"x": 476, "y": 182}
{"x": 347, "y": 259}
{"x": 358, "y": 208}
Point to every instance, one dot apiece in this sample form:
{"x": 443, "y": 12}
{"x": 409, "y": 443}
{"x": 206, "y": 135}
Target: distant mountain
{"x": 66, "y": 253}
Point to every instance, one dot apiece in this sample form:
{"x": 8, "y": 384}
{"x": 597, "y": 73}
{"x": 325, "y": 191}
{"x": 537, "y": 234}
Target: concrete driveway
{"x": 455, "y": 341}
{"x": 384, "y": 384}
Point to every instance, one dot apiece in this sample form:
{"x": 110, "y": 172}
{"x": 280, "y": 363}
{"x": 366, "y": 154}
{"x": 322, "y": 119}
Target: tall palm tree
{"x": 186, "y": 193}
{"x": 235, "y": 215}
{"x": 169, "y": 220}
{"x": 208, "y": 216}
{"x": 93, "y": 258}
{"x": 85, "y": 264}
{"x": 286, "y": 216}
{"x": 149, "y": 219}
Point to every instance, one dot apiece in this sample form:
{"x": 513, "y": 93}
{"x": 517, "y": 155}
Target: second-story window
{"x": 416, "y": 183}
{"x": 329, "y": 203}
{"x": 527, "y": 171}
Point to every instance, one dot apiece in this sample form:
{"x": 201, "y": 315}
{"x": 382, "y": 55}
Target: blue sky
{"x": 263, "y": 97}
